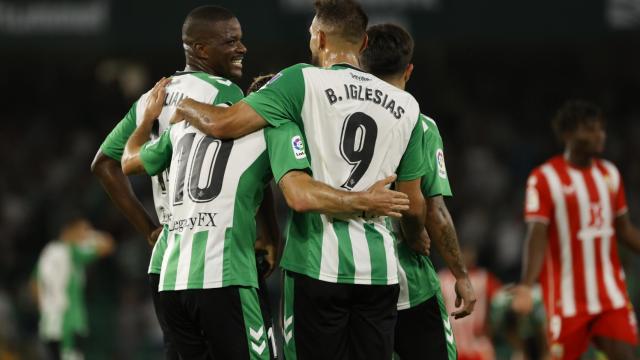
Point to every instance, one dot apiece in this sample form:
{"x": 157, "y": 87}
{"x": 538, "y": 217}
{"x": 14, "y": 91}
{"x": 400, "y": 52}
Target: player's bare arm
{"x": 627, "y": 232}
{"x": 304, "y": 194}
{"x": 268, "y": 232}
{"x": 532, "y": 261}
{"x": 117, "y": 185}
{"x": 112, "y": 178}
{"x": 220, "y": 122}
{"x": 131, "y": 162}
{"x": 412, "y": 224}
{"x": 443, "y": 233}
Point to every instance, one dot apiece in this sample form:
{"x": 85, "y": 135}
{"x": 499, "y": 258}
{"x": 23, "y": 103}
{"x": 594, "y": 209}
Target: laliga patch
{"x": 442, "y": 169}
{"x": 298, "y": 147}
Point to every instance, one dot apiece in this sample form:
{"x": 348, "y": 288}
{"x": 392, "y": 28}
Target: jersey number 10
{"x": 215, "y": 171}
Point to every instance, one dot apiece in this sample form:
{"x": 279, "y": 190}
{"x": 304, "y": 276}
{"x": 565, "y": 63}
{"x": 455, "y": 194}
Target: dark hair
{"x": 346, "y": 17}
{"x": 574, "y": 113}
{"x": 258, "y": 82}
{"x": 198, "y": 21}
{"x": 389, "y": 51}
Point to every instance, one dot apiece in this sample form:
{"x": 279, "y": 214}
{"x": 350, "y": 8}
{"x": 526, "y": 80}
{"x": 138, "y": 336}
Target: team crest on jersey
{"x": 442, "y": 169}
{"x": 298, "y": 147}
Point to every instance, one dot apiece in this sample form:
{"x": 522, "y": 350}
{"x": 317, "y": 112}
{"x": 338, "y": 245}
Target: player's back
{"x": 196, "y": 85}
{"x": 357, "y": 126}
{"x": 580, "y": 206}
{"x": 214, "y": 189}
{"x": 358, "y": 130}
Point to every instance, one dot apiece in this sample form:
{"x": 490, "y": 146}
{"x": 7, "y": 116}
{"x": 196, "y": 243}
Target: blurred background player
{"x": 213, "y": 50}
{"x": 423, "y": 329}
{"x": 576, "y": 211}
{"x": 59, "y": 286}
{"x": 473, "y": 338}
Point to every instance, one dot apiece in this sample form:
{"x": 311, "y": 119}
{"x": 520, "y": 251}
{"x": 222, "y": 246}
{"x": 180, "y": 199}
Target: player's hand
{"x": 465, "y": 297}
{"x": 155, "y": 100}
{"x": 178, "y": 115}
{"x": 153, "y": 236}
{"x": 421, "y": 245}
{"x": 522, "y": 301}
{"x": 268, "y": 254}
{"x": 385, "y": 202}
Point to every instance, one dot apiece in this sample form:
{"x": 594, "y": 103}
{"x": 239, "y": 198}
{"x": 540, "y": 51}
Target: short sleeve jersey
{"x": 418, "y": 278}
{"x": 60, "y": 276}
{"x": 580, "y": 206}
{"x": 216, "y": 187}
{"x": 199, "y": 86}
{"x": 359, "y": 130}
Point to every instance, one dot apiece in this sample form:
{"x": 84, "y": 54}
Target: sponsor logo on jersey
{"x": 203, "y": 219}
{"x": 442, "y": 169}
{"x": 298, "y": 147}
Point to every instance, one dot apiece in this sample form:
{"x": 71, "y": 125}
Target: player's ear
{"x": 200, "y": 50}
{"x": 322, "y": 40}
{"x": 407, "y": 72}
{"x": 365, "y": 43}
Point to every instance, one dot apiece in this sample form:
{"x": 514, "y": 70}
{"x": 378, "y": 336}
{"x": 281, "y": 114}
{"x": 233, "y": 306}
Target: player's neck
{"x": 577, "y": 159}
{"x": 196, "y": 66}
{"x": 397, "y": 81}
{"x": 340, "y": 56}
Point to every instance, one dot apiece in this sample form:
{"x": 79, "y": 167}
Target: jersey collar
{"x": 346, "y": 65}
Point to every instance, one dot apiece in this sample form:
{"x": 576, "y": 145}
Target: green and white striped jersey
{"x": 359, "y": 130}
{"x": 216, "y": 187}
{"x": 196, "y": 85}
{"x": 60, "y": 278}
{"x": 418, "y": 278}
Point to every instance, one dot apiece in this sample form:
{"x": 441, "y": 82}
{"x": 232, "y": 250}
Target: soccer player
{"x": 423, "y": 329}
{"x": 340, "y": 286}
{"x": 576, "y": 211}
{"x": 213, "y": 48}
{"x": 59, "y": 285}
{"x": 208, "y": 278}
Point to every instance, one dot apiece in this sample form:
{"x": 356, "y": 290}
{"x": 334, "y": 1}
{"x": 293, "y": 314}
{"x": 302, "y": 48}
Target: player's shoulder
{"x": 610, "y": 172}
{"x": 294, "y": 69}
{"x": 607, "y": 165}
{"x": 429, "y": 125}
{"x": 539, "y": 173}
{"x": 221, "y": 83}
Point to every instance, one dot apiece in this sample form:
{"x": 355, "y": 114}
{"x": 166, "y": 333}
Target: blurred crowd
{"x": 493, "y": 108}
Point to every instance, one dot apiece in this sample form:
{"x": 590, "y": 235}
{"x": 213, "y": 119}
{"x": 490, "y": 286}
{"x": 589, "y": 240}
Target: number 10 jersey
{"x": 359, "y": 130}
{"x": 214, "y": 191}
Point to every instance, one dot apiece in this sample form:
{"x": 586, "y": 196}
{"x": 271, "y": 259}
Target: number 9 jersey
{"x": 359, "y": 130}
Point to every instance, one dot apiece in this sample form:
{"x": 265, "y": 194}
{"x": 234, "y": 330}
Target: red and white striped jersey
{"x": 582, "y": 272}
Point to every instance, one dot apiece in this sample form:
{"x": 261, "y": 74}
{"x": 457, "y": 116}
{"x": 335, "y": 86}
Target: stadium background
{"x": 490, "y": 72}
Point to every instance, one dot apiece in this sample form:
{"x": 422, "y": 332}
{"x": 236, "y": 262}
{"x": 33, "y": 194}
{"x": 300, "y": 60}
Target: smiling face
{"x": 225, "y": 50}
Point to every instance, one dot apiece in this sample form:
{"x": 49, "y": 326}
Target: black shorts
{"x": 223, "y": 323}
{"x": 323, "y": 320}
{"x": 424, "y": 332}
{"x": 170, "y": 352}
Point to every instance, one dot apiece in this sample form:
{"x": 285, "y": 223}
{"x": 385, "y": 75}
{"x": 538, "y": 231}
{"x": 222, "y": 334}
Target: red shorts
{"x": 569, "y": 337}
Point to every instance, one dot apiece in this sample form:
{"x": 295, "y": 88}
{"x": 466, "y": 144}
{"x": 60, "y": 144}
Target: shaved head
{"x": 212, "y": 41}
{"x": 198, "y": 25}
